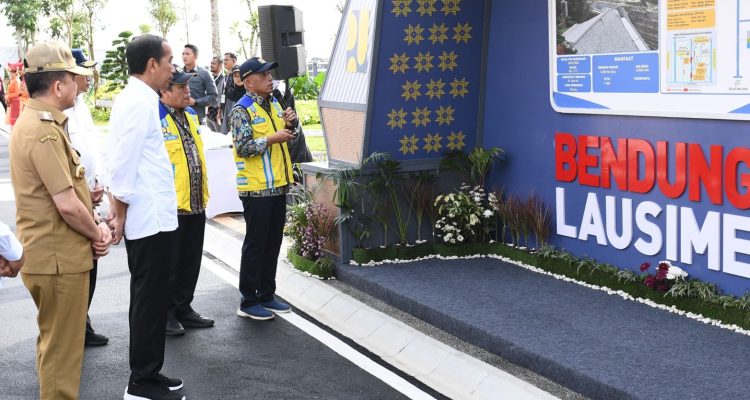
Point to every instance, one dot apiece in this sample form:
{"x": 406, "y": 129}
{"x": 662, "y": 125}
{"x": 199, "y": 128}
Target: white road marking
{"x": 388, "y": 377}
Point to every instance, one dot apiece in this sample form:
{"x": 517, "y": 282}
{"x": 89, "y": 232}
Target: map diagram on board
{"x": 691, "y": 59}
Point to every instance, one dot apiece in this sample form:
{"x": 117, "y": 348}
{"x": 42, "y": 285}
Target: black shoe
{"x": 170, "y": 383}
{"x": 95, "y": 339}
{"x": 150, "y": 392}
{"x": 174, "y": 328}
{"x": 195, "y": 320}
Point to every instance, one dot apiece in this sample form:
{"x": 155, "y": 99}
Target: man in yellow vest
{"x": 181, "y": 130}
{"x": 260, "y": 129}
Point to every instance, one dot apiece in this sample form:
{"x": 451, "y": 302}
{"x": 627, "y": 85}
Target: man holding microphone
{"x": 261, "y": 129}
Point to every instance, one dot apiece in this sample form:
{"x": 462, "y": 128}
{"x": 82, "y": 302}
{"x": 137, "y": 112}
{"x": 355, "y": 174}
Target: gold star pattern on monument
{"x": 413, "y": 34}
{"x": 421, "y": 117}
{"x": 462, "y": 33}
{"x": 411, "y": 90}
{"x": 444, "y": 115}
{"x": 397, "y": 118}
{"x": 409, "y": 144}
{"x": 433, "y": 143}
{"x": 435, "y": 89}
{"x": 401, "y": 7}
{"x": 456, "y": 141}
{"x": 438, "y": 33}
{"x": 423, "y": 62}
{"x": 426, "y": 7}
{"x": 451, "y": 7}
{"x": 399, "y": 63}
{"x": 448, "y": 61}
{"x": 459, "y": 88}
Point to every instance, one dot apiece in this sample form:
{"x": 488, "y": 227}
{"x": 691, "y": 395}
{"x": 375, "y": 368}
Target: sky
{"x": 320, "y": 19}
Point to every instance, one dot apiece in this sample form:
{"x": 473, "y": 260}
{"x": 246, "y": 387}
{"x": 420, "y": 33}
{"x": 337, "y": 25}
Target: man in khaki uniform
{"x": 60, "y": 234}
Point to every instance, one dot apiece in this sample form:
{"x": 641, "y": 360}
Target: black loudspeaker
{"x": 282, "y": 39}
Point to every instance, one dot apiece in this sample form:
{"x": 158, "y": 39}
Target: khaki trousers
{"x": 62, "y": 302}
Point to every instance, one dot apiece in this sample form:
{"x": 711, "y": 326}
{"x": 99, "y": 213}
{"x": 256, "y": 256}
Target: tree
{"x": 67, "y": 22}
{"x": 215, "y": 38}
{"x": 89, "y": 11}
{"x": 254, "y": 24}
{"x": 235, "y": 29}
{"x": 23, "y": 17}
{"x": 188, "y": 17}
{"x": 144, "y": 28}
{"x": 162, "y": 12}
{"x": 115, "y": 65}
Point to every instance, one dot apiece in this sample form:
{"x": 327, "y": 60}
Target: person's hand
{"x": 290, "y": 117}
{"x": 5, "y": 270}
{"x": 97, "y": 194}
{"x": 100, "y": 248}
{"x": 281, "y": 136}
{"x": 11, "y": 268}
{"x": 117, "y": 225}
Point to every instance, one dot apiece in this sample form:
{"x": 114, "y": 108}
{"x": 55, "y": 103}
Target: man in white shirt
{"x": 145, "y": 212}
{"x": 11, "y": 253}
{"x": 84, "y": 136}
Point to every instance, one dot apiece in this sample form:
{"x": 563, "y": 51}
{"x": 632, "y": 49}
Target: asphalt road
{"x": 237, "y": 359}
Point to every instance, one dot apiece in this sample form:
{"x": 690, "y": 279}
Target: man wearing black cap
{"x": 84, "y": 138}
{"x": 181, "y": 130}
{"x": 260, "y": 130}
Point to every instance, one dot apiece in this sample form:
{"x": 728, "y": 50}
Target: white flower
{"x": 460, "y": 238}
{"x": 487, "y": 213}
{"x": 453, "y": 240}
{"x": 447, "y": 236}
{"x": 451, "y": 215}
{"x": 676, "y": 273}
{"x": 473, "y": 219}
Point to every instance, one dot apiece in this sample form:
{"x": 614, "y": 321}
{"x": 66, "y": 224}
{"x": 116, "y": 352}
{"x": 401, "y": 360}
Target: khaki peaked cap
{"x": 52, "y": 56}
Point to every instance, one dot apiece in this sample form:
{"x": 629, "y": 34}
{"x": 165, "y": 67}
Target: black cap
{"x": 256, "y": 64}
{"x": 179, "y": 77}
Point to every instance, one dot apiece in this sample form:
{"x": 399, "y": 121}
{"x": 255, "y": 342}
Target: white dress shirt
{"x": 140, "y": 173}
{"x": 10, "y": 247}
{"x": 84, "y": 136}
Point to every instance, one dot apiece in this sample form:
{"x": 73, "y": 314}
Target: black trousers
{"x": 264, "y": 223}
{"x": 150, "y": 260}
{"x": 188, "y": 251}
{"x": 92, "y": 287}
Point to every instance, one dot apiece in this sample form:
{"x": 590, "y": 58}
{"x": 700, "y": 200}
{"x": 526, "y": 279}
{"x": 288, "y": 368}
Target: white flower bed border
{"x": 623, "y": 294}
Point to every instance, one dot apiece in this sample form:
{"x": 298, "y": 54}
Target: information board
{"x": 671, "y": 58}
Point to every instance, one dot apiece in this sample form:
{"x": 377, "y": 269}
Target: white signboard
{"x": 670, "y": 58}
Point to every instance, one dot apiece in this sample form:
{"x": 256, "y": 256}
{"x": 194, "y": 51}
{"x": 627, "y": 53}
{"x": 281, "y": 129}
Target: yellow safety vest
{"x": 173, "y": 143}
{"x": 273, "y": 168}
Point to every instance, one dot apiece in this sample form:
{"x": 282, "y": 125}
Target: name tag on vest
{"x": 240, "y": 165}
{"x": 258, "y": 120}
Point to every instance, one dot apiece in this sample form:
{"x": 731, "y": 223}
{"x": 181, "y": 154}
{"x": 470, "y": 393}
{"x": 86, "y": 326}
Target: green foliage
{"x": 100, "y": 115}
{"x": 306, "y": 87}
{"x": 694, "y": 288}
{"x": 307, "y": 110}
{"x": 324, "y": 267}
{"x": 350, "y": 197}
{"x": 23, "y": 16}
{"x": 164, "y": 15}
{"x": 472, "y": 167}
{"x": 419, "y": 189}
{"x": 115, "y": 66}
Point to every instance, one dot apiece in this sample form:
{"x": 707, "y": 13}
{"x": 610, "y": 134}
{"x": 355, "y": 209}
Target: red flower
{"x": 663, "y": 267}
{"x": 661, "y": 275}
{"x": 662, "y": 287}
{"x": 645, "y": 266}
{"x": 650, "y": 281}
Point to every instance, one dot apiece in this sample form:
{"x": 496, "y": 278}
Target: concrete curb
{"x": 439, "y": 366}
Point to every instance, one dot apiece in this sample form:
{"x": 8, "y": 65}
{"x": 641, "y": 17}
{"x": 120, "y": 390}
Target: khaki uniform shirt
{"x": 42, "y": 164}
